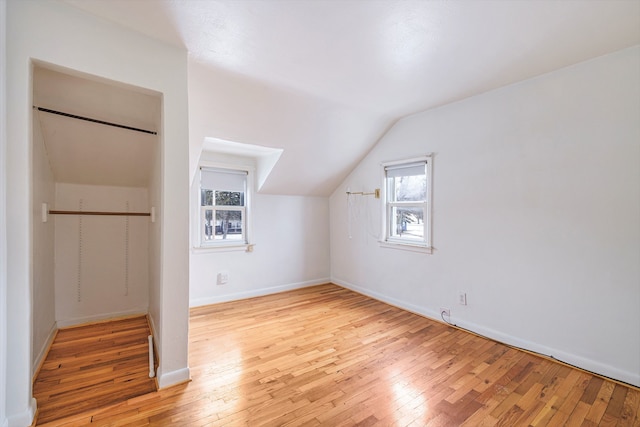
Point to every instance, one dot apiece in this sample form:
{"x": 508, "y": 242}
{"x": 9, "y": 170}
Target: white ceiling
{"x": 358, "y": 66}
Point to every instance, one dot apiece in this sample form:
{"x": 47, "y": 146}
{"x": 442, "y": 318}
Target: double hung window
{"x": 223, "y": 206}
{"x": 407, "y": 216}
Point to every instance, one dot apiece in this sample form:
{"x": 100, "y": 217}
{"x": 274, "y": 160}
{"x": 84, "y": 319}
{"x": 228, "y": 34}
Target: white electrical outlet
{"x": 223, "y": 278}
{"x": 445, "y": 312}
{"x": 462, "y": 298}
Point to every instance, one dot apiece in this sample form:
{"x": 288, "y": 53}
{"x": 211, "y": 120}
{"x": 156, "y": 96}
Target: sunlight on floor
{"x": 410, "y": 400}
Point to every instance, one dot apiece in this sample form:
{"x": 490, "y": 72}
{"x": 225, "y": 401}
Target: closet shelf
{"x": 99, "y": 213}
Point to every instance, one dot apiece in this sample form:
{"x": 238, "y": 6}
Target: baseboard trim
{"x": 24, "y": 418}
{"x": 433, "y": 315}
{"x": 255, "y": 293}
{"x": 172, "y": 378}
{"x": 156, "y": 358}
{"x": 589, "y": 365}
{"x": 44, "y": 351}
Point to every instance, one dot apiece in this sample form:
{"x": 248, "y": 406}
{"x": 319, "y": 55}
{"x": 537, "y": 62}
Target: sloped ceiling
{"x": 325, "y": 79}
{"x": 83, "y": 152}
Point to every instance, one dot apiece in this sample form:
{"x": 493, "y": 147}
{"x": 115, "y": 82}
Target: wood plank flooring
{"x": 328, "y": 356}
{"x": 94, "y": 366}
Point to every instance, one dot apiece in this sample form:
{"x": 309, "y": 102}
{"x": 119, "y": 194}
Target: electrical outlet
{"x": 462, "y": 298}
{"x": 445, "y": 312}
{"x": 223, "y": 278}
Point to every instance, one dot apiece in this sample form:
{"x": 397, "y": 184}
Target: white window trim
{"x": 222, "y": 246}
{"x": 386, "y": 242}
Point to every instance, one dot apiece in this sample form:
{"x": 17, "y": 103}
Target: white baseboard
{"x": 156, "y": 344}
{"x": 24, "y": 418}
{"x": 390, "y": 300}
{"x": 153, "y": 328}
{"x": 255, "y": 293}
{"x": 562, "y": 356}
{"x": 65, "y": 323}
{"x": 45, "y": 348}
{"x": 172, "y": 378}
{"x": 573, "y": 359}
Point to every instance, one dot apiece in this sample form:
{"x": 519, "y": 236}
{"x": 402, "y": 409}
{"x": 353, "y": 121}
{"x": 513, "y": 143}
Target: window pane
{"x": 229, "y": 198}
{"x": 407, "y": 203}
{"x": 208, "y": 225}
{"x": 206, "y": 197}
{"x": 407, "y": 223}
{"x": 223, "y": 197}
{"x": 229, "y": 225}
{"x": 407, "y": 188}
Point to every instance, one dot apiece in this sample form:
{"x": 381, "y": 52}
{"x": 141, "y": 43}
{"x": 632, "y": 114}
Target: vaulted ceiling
{"x": 324, "y": 79}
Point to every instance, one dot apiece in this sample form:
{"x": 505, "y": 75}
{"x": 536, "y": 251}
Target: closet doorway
{"x": 95, "y": 182}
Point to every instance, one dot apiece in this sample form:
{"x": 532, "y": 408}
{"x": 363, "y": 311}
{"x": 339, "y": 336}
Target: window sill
{"x": 407, "y": 247}
{"x": 239, "y": 247}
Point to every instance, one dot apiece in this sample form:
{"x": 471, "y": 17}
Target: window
{"x": 223, "y": 206}
{"x": 407, "y": 216}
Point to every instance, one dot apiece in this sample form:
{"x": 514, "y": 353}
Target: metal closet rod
{"x": 99, "y": 213}
{"x": 88, "y": 119}
{"x": 375, "y": 193}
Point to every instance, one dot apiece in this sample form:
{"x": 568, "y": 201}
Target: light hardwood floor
{"x": 328, "y": 356}
{"x": 93, "y": 366}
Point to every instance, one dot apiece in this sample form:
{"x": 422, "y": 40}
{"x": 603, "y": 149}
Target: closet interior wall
{"x": 90, "y": 267}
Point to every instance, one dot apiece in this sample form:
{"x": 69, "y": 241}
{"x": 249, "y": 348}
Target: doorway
{"x": 96, "y": 169}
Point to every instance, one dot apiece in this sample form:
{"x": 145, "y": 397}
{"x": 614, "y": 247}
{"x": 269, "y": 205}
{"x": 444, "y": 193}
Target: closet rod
{"x": 99, "y": 213}
{"x": 88, "y": 119}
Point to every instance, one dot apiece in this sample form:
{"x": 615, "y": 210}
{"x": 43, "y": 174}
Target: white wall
{"x": 3, "y": 223}
{"x": 536, "y": 216}
{"x": 54, "y": 33}
{"x": 289, "y": 233}
{"x": 291, "y": 251}
{"x": 155, "y": 245}
{"x": 101, "y": 262}
{"x": 43, "y": 302}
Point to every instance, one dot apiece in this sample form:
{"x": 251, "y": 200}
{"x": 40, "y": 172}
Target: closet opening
{"x": 96, "y": 185}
